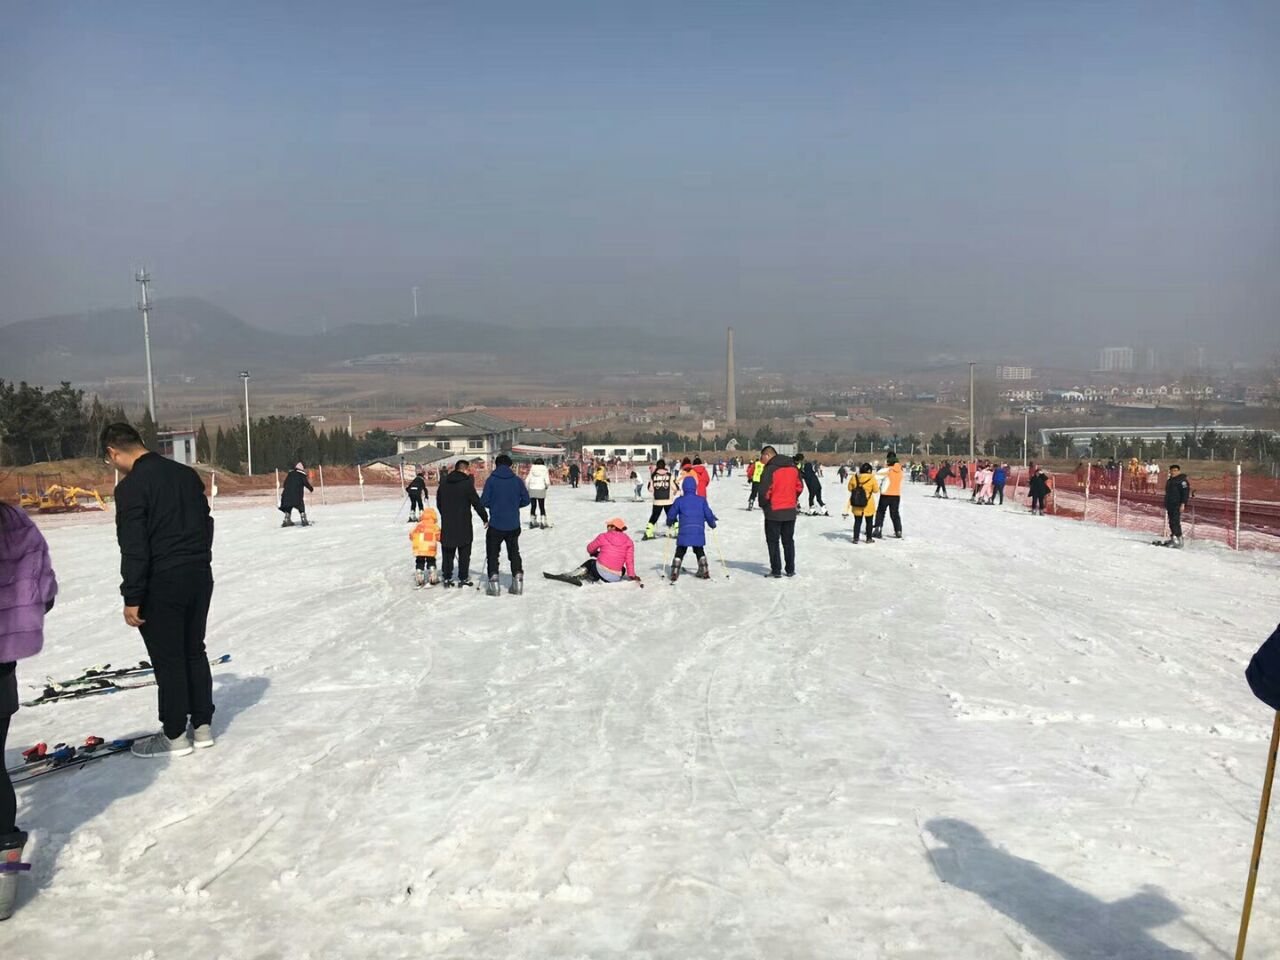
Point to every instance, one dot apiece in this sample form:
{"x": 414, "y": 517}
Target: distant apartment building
{"x": 1115, "y": 360}
{"x": 1012, "y": 372}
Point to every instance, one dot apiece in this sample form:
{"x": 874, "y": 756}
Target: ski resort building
{"x": 624, "y": 453}
{"x": 473, "y": 434}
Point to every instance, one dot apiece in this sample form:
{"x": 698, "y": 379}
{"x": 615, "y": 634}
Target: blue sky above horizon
{"x": 1089, "y": 170}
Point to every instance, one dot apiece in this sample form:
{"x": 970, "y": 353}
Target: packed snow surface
{"x": 1003, "y": 736}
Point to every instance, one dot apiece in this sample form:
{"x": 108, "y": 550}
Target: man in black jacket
{"x": 455, "y": 499}
{"x": 292, "y": 497}
{"x": 165, "y": 534}
{"x": 416, "y": 490}
{"x": 1177, "y": 493}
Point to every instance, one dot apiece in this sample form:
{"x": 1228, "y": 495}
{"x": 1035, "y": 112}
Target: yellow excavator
{"x": 59, "y": 499}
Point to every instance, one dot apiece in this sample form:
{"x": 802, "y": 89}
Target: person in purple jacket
{"x": 27, "y": 589}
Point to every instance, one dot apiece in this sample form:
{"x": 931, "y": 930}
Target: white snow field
{"x": 1004, "y": 736}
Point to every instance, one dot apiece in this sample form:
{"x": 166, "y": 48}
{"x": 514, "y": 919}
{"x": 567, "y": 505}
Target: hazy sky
{"x": 1087, "y": 171}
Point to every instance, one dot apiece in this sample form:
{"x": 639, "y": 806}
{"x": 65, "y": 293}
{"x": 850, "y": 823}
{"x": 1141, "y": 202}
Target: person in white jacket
{"x": 538, "y": 480}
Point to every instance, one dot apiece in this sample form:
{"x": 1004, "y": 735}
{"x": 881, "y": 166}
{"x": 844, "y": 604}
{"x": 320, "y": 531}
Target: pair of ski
{"x": 578, "y": 581}
{"x": 40, "y": 761}
{"x": 95, "y": 682}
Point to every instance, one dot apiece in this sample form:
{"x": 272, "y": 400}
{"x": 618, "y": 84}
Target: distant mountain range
{"x": 192, "y": 337}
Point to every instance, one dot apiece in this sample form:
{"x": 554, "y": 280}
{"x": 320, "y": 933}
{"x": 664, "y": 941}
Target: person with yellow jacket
{"x": 890, "y": 497}
{"x": 425, "y": 541}
{"x": 601, "y": 477}
{"x": 862, "y": 500}
{"x": 754, "y": 472}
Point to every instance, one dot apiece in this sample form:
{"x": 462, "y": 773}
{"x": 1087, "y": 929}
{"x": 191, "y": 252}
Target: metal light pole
{"x": 971, "y": 429}
{"x": 1024, "y": 438}
{"x": 415, "y": 303}
{"x": 248, "y": 443}
{"x": 144, "y": 278}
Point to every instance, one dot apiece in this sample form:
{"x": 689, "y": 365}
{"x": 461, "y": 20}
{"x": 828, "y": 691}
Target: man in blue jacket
{"x": 999, "y": 477}
{"x": 504, "y": 495}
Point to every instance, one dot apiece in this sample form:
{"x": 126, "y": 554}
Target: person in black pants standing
{"x": 780, "y": 487}
{"x": 456, "y": 497}
{"x": 504, "y": 495}
{"x": 940, "y": 480}
{"x": 1177, "y": 493}
{"x": 165, "y": 534}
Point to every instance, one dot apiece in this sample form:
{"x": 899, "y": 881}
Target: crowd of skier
{"x": 165, "y": 533}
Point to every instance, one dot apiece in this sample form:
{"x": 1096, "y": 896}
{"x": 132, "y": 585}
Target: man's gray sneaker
{"x": 202, "y": 737}
{"x": 158, "y": 746}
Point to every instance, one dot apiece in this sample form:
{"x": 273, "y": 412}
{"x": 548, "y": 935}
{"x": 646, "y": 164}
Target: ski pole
{"x": 403, "y": 501}
{"x": 715, "y": 535}
{"x": 1257, "y": 840}
{"x": 666, "y": 551}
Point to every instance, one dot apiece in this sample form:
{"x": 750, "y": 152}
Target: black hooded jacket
{"x": 455, "y": 499}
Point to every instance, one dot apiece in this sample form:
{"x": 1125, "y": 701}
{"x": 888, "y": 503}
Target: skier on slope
{"x": 890, "y": 496}
{"x": 425, "y": 541}
{"x": 504, "y": 496}
{"x": 755, "y": 474}
{"x": 165, "y": 535}
{"x": 456, "y": 498}
{"x": 663, "y": 490}
{"x": 27, "y": 591}
{"x": 862, "y": 499}
{"x": 691, "y": 514}
{"x": 1177, "y": 494}
{"x": 574, "y": 472}
{"x": 780, "y": 487}
{"x": 1039, "y": 487}
{"x": 814, "y": 486}
{"x": 292, "y": 497}
{"x": 601, "y": 478}
{"x": 613, "y": 558}
{"x": 940, "y": 480}
{"x": 417, "y": 491}
{"x": 538, "y": 481}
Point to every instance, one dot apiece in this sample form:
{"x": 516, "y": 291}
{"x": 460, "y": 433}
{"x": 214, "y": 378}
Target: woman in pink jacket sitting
{"x": 613, "y": 557}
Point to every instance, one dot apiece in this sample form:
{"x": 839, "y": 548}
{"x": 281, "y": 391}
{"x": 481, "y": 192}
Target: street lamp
{"x": 248, "y": 443}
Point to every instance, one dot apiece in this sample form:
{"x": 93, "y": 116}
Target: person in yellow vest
{"x": 754, "y": 473}
{"x": 425, "y": 541}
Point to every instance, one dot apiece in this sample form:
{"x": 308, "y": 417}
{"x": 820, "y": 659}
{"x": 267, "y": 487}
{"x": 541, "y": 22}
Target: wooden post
{"x": 1256, "y": 859}
{"x": 321, "y": 469}
{"x": 1237, "y": 524}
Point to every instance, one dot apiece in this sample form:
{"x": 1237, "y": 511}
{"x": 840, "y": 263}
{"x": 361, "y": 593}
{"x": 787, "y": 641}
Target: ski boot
{"x": 648, "y": 533}
{"x": 704, "y": 569}
{"x": 305, "y": 521}
{"x": 433, "y": 578}
{"x": 288, "y": 522}
{"x": 466, "y": 583}
{"x": 419, "y": 578}
{"x": 492, "y": 587}
{"x": 533, "y": 523}
{"x": 1175, "y": 543}
{"x": 675, "y": 569}
{"x": 11, "y": 865}
{"x": 517, "y": 585}
{"x": 674, "y": 529}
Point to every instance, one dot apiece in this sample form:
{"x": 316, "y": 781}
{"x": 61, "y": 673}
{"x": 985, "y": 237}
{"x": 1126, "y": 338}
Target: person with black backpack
{"x": 663, "y": 496}
{"x": 862, "y": 500}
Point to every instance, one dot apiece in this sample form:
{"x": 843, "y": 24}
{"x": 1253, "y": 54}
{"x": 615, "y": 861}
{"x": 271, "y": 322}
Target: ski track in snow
{"x": 733, "y": 768}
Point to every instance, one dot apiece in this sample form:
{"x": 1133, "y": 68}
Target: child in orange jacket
{"x": 425, "y": 540}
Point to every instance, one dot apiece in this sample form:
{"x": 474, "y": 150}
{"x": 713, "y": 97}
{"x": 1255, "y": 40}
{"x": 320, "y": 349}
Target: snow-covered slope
{"x": 1003, "y": 736}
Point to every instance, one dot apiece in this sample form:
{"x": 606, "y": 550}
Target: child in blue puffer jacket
{"x": 691, "y": 515}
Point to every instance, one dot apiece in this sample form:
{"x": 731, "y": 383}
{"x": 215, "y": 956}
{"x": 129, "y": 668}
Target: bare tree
{"x": 1195, "y": 398}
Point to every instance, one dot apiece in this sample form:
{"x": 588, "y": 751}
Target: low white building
{"x": 473, "y": 434}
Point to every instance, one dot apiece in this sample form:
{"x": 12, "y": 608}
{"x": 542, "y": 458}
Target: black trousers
{"x": 493, "y": 541}
{"x": 755, "y": 492}
{"x": 940, "y": 488}
{"x": 815, "y": 491}
{"x": 8, "y": 801}
{"x": 175, "y": 611}
{"x": 1175, "y": 520}
{"x": 1037, "y": 501}
{"x": 781, "y": 534}
{"x": 537, "y": 505}
{"x": 415, "y": 501}
{"x": 658, "y": 510}
{"x": 428, "y": 563}
{"x": 602, "y": 490}
{"x": 463, "y": 550}
{"x": 857, "y": 526}
{"x": 698, "y": 552}
{"x": 997, "y": 492}
{"x": 888, "y": 505}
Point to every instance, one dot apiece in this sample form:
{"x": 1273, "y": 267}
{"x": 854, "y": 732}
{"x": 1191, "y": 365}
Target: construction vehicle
{"x": 59, "y": 499}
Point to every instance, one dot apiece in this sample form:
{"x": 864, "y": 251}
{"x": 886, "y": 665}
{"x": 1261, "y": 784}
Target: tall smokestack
{"x": 731, "y": 403}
